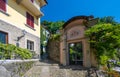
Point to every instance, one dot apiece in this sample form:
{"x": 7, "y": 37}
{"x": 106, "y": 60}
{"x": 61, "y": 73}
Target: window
{"x": 3, "y": 37}
{"x": 30, "y": 20}
{"x": 30, "y": 45}
{"x": 32, "y": 1}
{"x": 3, "y": 5}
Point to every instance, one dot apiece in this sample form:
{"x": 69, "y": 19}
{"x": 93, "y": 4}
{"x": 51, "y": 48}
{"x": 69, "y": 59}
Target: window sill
{"x": 4, "y": 12}
{"x": 30, "y": 27}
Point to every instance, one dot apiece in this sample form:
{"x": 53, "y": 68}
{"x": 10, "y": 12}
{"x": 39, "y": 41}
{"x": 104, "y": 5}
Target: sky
{"x": 58, "y": 10}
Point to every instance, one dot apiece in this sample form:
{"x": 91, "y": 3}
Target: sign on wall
{"x": 75, "y": 32}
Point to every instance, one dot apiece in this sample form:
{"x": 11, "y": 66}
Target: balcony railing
{"x": 33, "y": 7}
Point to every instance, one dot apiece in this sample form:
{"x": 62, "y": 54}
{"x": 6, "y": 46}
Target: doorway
{"x": 76, "y": 53}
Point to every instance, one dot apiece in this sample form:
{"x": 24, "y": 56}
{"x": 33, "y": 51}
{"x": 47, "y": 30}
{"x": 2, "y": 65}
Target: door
{"x": 76, "y": 53}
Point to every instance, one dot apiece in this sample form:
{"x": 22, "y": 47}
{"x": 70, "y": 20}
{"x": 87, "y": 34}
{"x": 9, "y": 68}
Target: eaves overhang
{"x": 33, "y": 7}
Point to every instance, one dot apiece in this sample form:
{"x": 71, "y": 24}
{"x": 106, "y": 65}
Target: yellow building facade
{"x": 20, "y": 23}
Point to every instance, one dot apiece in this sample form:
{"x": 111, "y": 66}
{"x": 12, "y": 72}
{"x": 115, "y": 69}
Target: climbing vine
{"x": 55, "y": 37}
{"x": 8, "y": 51}
{"x": 105, "y": 39}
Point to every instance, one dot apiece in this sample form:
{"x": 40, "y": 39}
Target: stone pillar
{"x": 63, "y": 49}
{"x": 87, "y": 61}
{"x": 93, "y": 57}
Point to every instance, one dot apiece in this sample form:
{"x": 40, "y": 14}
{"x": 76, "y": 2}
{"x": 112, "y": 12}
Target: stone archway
{"x": 74, "y": 33}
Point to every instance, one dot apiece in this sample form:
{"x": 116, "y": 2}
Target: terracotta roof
{"x": 77, "y": 18}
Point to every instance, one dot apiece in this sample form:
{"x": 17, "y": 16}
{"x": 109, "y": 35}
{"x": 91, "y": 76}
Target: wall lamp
{"x": 23, "y": 34}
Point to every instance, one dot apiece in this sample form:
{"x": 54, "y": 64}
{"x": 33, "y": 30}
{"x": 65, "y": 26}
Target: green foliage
{"x": 107, "y": 19}
{"x": 72, "y": 51}
{"x": 55, "y": 37}
{"x": 53, "y": 27}
{"x": 8, "y": 50}
{"x": 118, "y": 63}
{"x": 43, "y": 36}
{"x": 23, "y": 53}
{"x": 104, "y": 59}
{"x": 105, "y": 39}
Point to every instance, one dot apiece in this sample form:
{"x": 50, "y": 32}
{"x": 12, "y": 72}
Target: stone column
{"x": 87, "y": 60}
{"x": 63, "y": 49}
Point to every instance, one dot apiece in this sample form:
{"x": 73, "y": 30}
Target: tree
{"x": 53, "y": 27}
{"x": 105, "y": 39}
{"x": 107, "y": 19}
{"x": 42, "y": 34}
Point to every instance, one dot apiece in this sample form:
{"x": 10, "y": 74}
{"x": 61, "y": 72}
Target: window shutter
{"x": 27, "y": 18}
{"x": 32, "y": 1}
{"x": 3, "y": 5}
{"x": 30, "y": 20}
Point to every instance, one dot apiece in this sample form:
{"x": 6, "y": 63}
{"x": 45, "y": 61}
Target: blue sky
{"x": 57, "y": 10}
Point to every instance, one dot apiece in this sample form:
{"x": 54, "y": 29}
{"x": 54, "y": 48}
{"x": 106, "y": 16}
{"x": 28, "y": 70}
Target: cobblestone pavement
{"x": 42, "y": 69}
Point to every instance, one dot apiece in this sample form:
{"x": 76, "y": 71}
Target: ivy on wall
{"x": 105, "y": 39}
{"x": 55, "y": 37}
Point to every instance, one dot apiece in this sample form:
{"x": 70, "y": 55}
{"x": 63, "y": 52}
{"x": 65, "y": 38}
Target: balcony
{"x": 33, "y": 7}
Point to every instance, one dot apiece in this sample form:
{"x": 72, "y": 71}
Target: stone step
{"x": 52, "y": 69}
{"x": 67, "y": 72}
{"x": 41, "y": 69}
{"x": 46, "y": 63}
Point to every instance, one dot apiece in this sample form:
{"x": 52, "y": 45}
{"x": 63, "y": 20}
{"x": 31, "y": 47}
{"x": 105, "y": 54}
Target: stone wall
{"x": 15, "y": 68}
{"x": 53, "y": 49}
{"x": 14, "y": 32}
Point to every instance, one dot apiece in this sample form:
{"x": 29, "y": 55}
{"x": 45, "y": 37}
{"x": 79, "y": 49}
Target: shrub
{"x": 105, "y": 39}
{"x": 8, "y": 50}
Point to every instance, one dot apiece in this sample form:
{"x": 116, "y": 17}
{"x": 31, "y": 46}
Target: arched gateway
{"x": 74, "y": 46}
